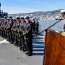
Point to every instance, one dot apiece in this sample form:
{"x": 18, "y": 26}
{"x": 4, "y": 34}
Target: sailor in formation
{"x": 19, "y": 32}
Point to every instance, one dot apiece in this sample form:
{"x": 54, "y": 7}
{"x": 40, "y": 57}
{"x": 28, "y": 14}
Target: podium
{"x": 54, "y": 51}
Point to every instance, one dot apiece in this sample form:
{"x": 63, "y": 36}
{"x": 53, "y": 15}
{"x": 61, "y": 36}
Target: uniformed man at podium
{"x": 54, "y": 51}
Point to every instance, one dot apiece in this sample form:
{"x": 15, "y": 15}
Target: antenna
{"x": 0, "y": 7}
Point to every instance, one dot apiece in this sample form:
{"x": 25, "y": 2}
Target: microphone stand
{"x": 50, "y": 26}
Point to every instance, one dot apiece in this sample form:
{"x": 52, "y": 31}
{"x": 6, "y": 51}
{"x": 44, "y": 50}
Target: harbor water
{"x": 43, "y": 24}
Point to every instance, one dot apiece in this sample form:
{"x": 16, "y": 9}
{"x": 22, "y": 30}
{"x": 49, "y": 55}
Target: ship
{"x": 3, "y": 14}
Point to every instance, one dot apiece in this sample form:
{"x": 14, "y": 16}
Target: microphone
{"x": 59, "y": 19}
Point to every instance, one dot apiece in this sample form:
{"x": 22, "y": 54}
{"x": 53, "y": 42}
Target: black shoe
{"x": 27, "y": 53}
{"x": 21, "y": 48}
{"x": 24, "y": 50}
{"x": 30, "y": 54}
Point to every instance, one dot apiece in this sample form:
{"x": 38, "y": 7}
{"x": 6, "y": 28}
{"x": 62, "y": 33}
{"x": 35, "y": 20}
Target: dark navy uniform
{"x": 35, "y": 26}
{"x": 8, "y": 25}
{"x": 22, "y": 44}
{"x": 13, "y": 31}
{"x": 28, "y": 36}
{"x": 16, "y": 24}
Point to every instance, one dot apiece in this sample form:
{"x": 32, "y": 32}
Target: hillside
{"x": 38, "y": 14}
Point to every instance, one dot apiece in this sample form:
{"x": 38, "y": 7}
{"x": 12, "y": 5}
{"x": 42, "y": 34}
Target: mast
{"x": 0, "y": 7}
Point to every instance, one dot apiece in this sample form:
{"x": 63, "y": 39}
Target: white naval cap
{"x": 62, "y": 11}
{"x": 26, "y": 17}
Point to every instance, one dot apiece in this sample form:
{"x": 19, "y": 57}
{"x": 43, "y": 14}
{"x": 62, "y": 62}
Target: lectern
{"x": 54, "y": 51}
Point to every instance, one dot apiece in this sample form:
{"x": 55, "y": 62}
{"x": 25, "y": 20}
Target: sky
{"x": 27, "y": 6}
